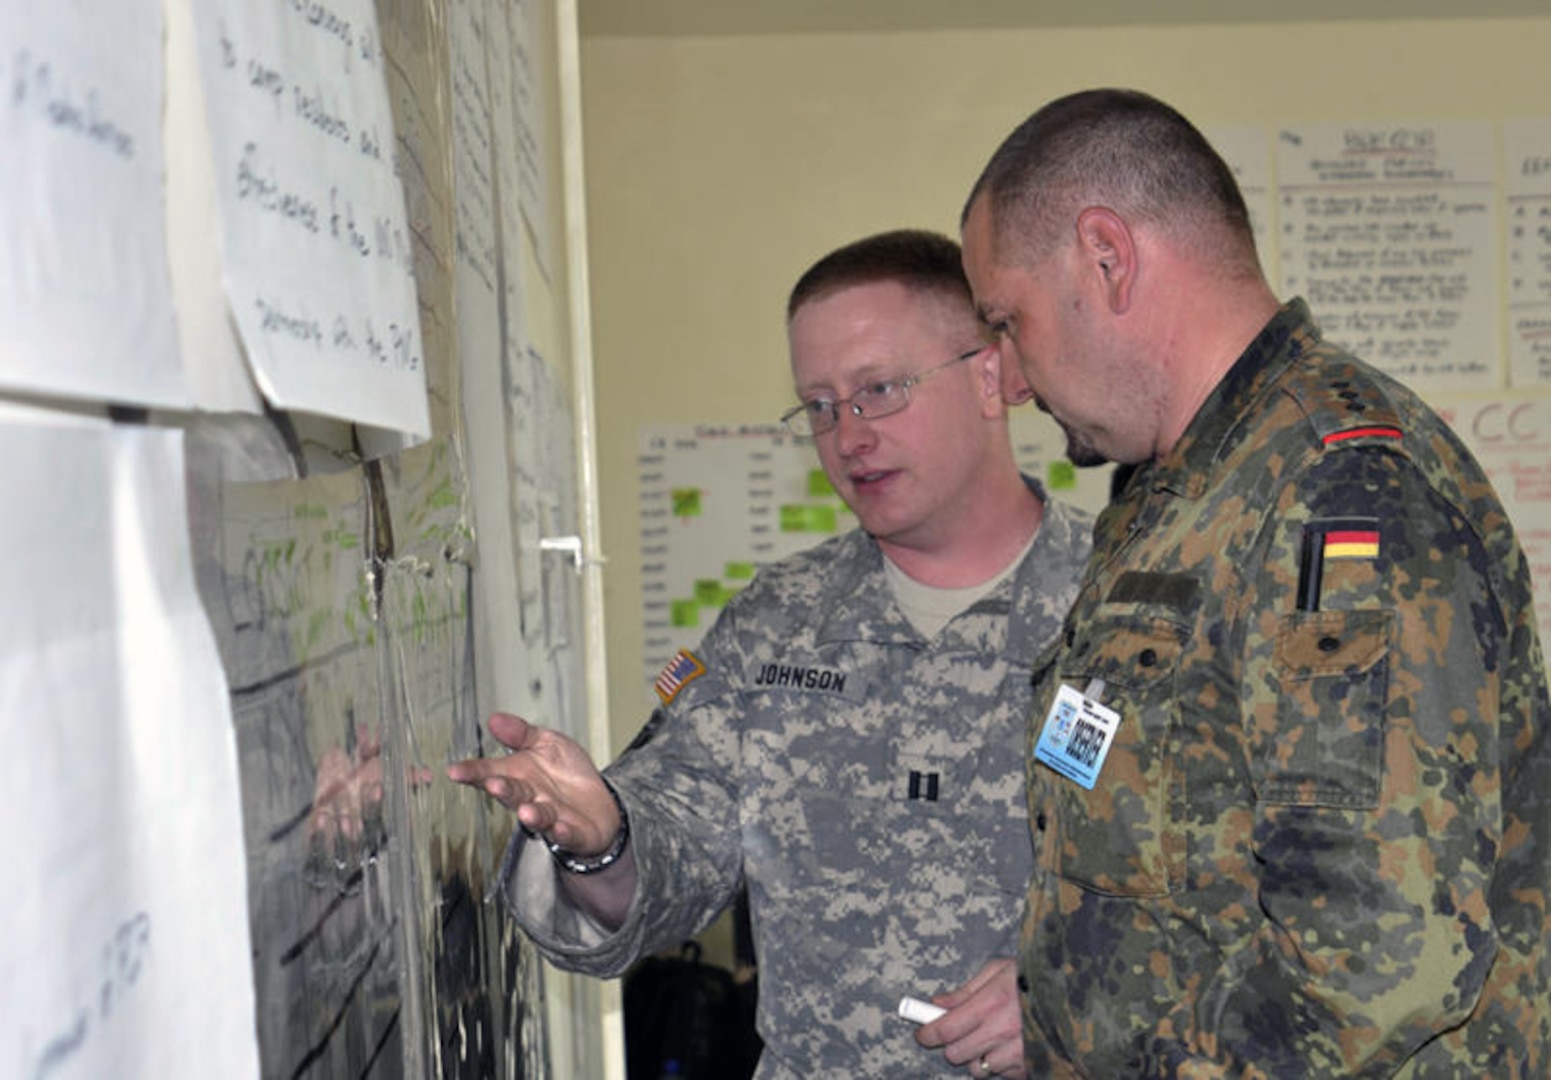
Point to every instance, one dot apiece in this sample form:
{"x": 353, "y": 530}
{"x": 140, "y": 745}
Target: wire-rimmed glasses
{"x": 882, "y": 397}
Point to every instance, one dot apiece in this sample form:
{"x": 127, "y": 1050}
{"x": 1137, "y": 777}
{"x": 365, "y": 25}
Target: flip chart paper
{"x": 126, "y": 951}
{"x": 85, "y": 305}
{"x": 316, "y": 246}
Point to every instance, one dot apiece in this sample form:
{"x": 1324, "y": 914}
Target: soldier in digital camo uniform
{"x": 848, "y": 738}
{"x": 1305, "y": 831}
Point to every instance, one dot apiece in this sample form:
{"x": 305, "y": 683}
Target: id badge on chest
{"x": 1077, "y": 734}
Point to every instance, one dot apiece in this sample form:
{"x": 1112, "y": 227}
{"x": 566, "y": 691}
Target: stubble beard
{"x": 1080, "y": 450}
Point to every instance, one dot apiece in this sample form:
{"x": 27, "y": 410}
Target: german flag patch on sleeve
{"x": 682, "y": 670}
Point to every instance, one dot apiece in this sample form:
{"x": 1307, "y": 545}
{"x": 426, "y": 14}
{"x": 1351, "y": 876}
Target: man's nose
{"x": 1015, "y": 388}
{"x": 853, "y": 433}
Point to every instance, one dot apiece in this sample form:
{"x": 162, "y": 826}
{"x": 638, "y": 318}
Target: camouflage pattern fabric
{"x": 1318, "y": 844}
{"x": 868, "y": 786}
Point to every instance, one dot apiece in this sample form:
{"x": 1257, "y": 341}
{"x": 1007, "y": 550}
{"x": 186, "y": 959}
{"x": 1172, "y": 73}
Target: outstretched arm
{"x": 555, "y": 790}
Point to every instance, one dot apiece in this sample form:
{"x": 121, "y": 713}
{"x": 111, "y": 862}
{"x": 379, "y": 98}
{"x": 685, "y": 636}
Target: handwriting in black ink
{"x": 273, "y": 319}
{"x": 123, "y": 959}
{"x": 258, "y": 182}
{"x": 37, "y": 86}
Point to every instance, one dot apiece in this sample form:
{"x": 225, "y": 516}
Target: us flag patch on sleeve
{"x": 683, "y": 669}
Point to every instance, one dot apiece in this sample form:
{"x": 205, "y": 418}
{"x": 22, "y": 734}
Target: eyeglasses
{"x": 882, "y": 398}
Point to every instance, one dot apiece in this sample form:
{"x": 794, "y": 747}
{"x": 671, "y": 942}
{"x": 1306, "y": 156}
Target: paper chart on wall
{"x": 715, "y": 504}
{"x": 476, "y": 269}
{"x": 1511, "y": 438}
{"x": 1390, "y": 232}
{"x": 531, "y": 133}
{"x": 293, "y": 611}
{"x": 85, "y": 305}
{"x": 214, "y": 363}
{"x": 522, "y": 374}
{"x": 317, "y": 252}
{"x": 465, "y": 980}
{"x": 518, "y": 414}
{"x": 126, "y": 951}
{"x": 1527, "y": 197}
{"x": 1247, "y": 150}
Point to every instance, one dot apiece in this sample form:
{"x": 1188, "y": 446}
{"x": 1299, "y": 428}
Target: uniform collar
{"x": 1046, "y": 583}
{"x": 859, "y": 604}
{"x": 1187, "y": 469}
{"x": 856, "y": 602}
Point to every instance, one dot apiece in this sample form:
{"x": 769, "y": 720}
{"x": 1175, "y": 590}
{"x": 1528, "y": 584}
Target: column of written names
{"x": 1389, "y": 231}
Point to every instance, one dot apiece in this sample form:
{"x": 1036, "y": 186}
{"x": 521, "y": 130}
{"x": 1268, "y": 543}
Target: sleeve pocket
{"x": 1326, "y": 747}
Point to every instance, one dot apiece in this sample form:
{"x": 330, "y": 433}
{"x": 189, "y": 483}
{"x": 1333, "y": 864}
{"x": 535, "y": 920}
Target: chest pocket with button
{"x": 1325, "y": 746}
{"x": 1119, "y": 837}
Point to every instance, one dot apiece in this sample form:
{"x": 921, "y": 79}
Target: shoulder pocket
{"x": 1326, "y": 746}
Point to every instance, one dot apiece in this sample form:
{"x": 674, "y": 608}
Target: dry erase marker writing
{"x": 919, "y": 1012}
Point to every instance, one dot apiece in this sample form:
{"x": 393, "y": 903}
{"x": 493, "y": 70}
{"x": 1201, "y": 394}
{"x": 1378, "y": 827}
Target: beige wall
{"x": 719, "y": 167}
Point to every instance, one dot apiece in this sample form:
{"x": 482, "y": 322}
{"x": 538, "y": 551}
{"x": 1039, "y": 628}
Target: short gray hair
{"x": 1117, "y": 148}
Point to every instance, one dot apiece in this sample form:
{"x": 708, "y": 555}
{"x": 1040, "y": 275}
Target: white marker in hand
{"x": 919, "y": 1012}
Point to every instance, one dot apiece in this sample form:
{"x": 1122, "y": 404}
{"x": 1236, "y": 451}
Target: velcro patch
{"x": 682, "y": 670}
{"x": 1177, "y": 591}
{"x": 1352, "y": 544}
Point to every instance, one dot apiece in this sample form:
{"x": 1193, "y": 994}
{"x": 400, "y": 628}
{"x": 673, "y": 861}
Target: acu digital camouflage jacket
{"x": 867, "y": 786}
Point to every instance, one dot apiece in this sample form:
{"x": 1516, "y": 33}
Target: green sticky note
{"x": 686, "y": 502}
{"x": 798, "y": 517}
{"x": 708, "y": 591}
{"x": 818, "y": 484}
{"x": 1061, "y": 476}
{"x": 686, "y": 613}
{"x": 821, "y": 519}
{"x": 739, "y": 571}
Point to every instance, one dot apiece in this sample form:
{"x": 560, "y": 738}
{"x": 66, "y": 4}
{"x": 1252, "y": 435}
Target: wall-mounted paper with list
{"x": 85, "y": 307}
{"x": 316, "y": 244}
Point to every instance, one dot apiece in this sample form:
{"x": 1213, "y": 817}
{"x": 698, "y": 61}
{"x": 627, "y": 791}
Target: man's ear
{"x": 1108, "y": 248}
{"x": 988, "y": 376}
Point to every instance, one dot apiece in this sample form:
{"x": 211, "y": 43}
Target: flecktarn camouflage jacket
{"x": 1319, "y": 842}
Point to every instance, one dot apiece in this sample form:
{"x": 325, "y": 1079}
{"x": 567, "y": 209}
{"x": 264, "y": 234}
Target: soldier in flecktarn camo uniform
{"x": 1292, "y": 795}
